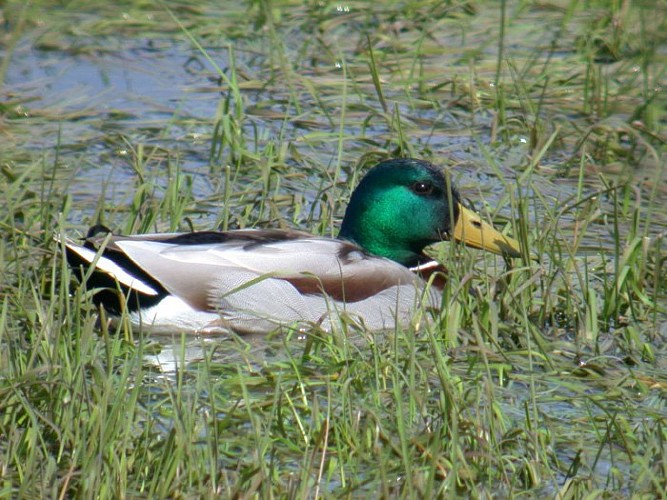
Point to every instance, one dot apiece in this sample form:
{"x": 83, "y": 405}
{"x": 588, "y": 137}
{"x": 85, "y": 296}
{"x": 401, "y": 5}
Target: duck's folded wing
{"x": 282, "y": 281}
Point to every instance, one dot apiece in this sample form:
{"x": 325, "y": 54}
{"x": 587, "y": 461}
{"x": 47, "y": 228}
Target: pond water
{"x": 97, "y": 106}
{"x": 163, "y": 92}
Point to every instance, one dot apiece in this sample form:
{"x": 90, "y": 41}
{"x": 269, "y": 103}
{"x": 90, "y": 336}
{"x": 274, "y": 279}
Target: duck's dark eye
{"x": 423, "y": 188}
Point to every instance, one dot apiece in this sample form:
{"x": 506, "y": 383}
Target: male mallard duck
{"x": 253, "y": 280}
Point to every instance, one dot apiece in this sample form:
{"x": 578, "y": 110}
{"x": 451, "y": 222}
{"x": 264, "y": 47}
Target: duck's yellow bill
{"x": 471, "y": 230}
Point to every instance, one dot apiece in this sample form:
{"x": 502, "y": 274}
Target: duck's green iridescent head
{"x": 403, "y": 205}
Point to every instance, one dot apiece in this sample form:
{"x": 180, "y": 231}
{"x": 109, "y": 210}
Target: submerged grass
{"x": 544, "y": 377}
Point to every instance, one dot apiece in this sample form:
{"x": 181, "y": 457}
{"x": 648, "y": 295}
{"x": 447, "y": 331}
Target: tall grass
{"x": 543, "y": 376}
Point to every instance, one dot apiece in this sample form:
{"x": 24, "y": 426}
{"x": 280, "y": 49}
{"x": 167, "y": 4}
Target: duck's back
{"x": 252, "y": 281}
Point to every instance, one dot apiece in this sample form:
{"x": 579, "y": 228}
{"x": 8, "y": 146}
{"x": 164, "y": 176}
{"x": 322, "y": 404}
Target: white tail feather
{"x": 109, "y": 267}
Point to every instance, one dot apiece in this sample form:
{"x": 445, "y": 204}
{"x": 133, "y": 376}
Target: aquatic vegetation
{"x": 546, "y": 377}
